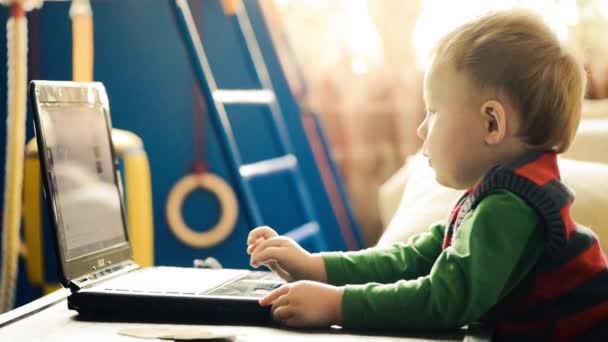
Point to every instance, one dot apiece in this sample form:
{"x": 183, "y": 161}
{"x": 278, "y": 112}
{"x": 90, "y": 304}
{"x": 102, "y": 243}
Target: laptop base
{"x": 99, "y": 306}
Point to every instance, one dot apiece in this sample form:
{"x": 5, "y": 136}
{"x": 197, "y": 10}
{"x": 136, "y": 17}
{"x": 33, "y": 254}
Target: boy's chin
{"x": 448, "y": 183}
{"x": 442, "y": 182}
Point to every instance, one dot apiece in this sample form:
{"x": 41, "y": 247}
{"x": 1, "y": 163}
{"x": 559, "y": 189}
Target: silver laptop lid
{"x": 81, "y": 179}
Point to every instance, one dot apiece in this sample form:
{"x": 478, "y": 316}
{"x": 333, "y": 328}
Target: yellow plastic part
{"x": 32, "y": 217}
{"x": 139, "y": 195}
{"x": 50, "y": 288}
{"x": 129, "y": 147}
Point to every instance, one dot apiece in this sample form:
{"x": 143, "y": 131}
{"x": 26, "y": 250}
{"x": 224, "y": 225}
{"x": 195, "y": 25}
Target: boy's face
{"x": 453, "y": 129}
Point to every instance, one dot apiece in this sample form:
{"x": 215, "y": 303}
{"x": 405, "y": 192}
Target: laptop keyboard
{"x": 175, "y": 280}
{"x": 247, "y": 287}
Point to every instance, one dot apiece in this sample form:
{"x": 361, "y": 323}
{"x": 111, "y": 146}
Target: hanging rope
{"x": 16, "y": 31}
{"x": 201, "y": 178}
{"x": 82, "y": 40}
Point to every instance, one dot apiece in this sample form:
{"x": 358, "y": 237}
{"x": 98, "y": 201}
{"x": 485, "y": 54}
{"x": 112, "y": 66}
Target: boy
{"x": 503, "y": 97}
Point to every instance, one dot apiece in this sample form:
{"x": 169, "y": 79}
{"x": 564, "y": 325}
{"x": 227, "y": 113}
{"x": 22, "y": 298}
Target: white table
{"x": 48, "y": 319}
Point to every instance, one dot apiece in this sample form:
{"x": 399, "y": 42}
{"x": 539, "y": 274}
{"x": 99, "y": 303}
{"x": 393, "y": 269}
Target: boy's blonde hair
{"x": 514, "y": 54}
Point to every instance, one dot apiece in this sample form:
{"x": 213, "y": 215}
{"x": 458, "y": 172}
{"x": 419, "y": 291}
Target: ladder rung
{"x": 264, "y": 167}
{"x": 244, "y": 96}
{"x": 304, "y": 231}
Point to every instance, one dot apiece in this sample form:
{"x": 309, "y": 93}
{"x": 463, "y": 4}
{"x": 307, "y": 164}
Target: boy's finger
{"x": 253, "y": 263}
{"x": 264, "y": 232}
{"x": 276, "y": 268}
{"x": 253, "y": 236}
{"x": 266, "y": 255}
{"x": 272, "y": 296}
{"x": 252, "y": 246}
{"x": 295, "y": 322}
{"x": 272, "y": 242}
{"x": 280, "y": 302}
{"x": 283, "y": 313}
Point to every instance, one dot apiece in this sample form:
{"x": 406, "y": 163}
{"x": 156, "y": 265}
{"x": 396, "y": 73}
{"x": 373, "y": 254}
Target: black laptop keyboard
{"x": 193, "y": 281}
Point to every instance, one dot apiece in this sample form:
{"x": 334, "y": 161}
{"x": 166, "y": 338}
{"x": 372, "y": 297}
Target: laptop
{"x": 82, "y": 187}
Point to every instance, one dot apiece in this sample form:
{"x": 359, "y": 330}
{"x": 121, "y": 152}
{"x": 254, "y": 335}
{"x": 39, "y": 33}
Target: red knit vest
{"x": 565, "y": 296}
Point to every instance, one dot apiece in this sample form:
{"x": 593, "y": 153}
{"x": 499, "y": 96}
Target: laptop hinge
{"x": 102, "y": 274}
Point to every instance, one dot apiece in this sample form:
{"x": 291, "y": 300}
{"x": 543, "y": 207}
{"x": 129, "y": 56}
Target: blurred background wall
{"x": 364, "y": 61}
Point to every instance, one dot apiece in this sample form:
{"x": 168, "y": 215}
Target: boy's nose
{"x": 421, "y": 131}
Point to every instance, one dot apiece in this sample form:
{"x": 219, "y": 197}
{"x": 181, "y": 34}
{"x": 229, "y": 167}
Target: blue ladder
{"x": 307, "y": 234}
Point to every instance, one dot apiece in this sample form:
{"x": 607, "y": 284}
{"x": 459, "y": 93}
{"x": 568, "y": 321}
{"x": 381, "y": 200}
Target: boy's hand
{"x": 284, "y": 256}
{"x": 306, "y": 304}
{"x": 258, "y": 235}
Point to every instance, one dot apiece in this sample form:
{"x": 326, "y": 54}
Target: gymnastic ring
{"x": 228, "y": 203}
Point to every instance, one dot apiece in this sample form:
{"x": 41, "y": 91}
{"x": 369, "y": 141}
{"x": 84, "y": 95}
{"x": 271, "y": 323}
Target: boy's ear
{"x": 494, "y": 118}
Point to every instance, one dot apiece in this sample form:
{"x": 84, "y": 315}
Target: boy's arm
{"x": 400, "y": 261}
{"x": 494, "y": 248}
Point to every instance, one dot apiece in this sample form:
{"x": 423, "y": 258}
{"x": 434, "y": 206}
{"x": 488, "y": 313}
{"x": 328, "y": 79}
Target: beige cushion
{"x": 423, "y": 201}
{"x": 591, "y": 141}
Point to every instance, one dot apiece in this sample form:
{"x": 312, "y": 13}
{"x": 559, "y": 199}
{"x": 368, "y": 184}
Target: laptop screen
{"x": 82, "y": 176}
